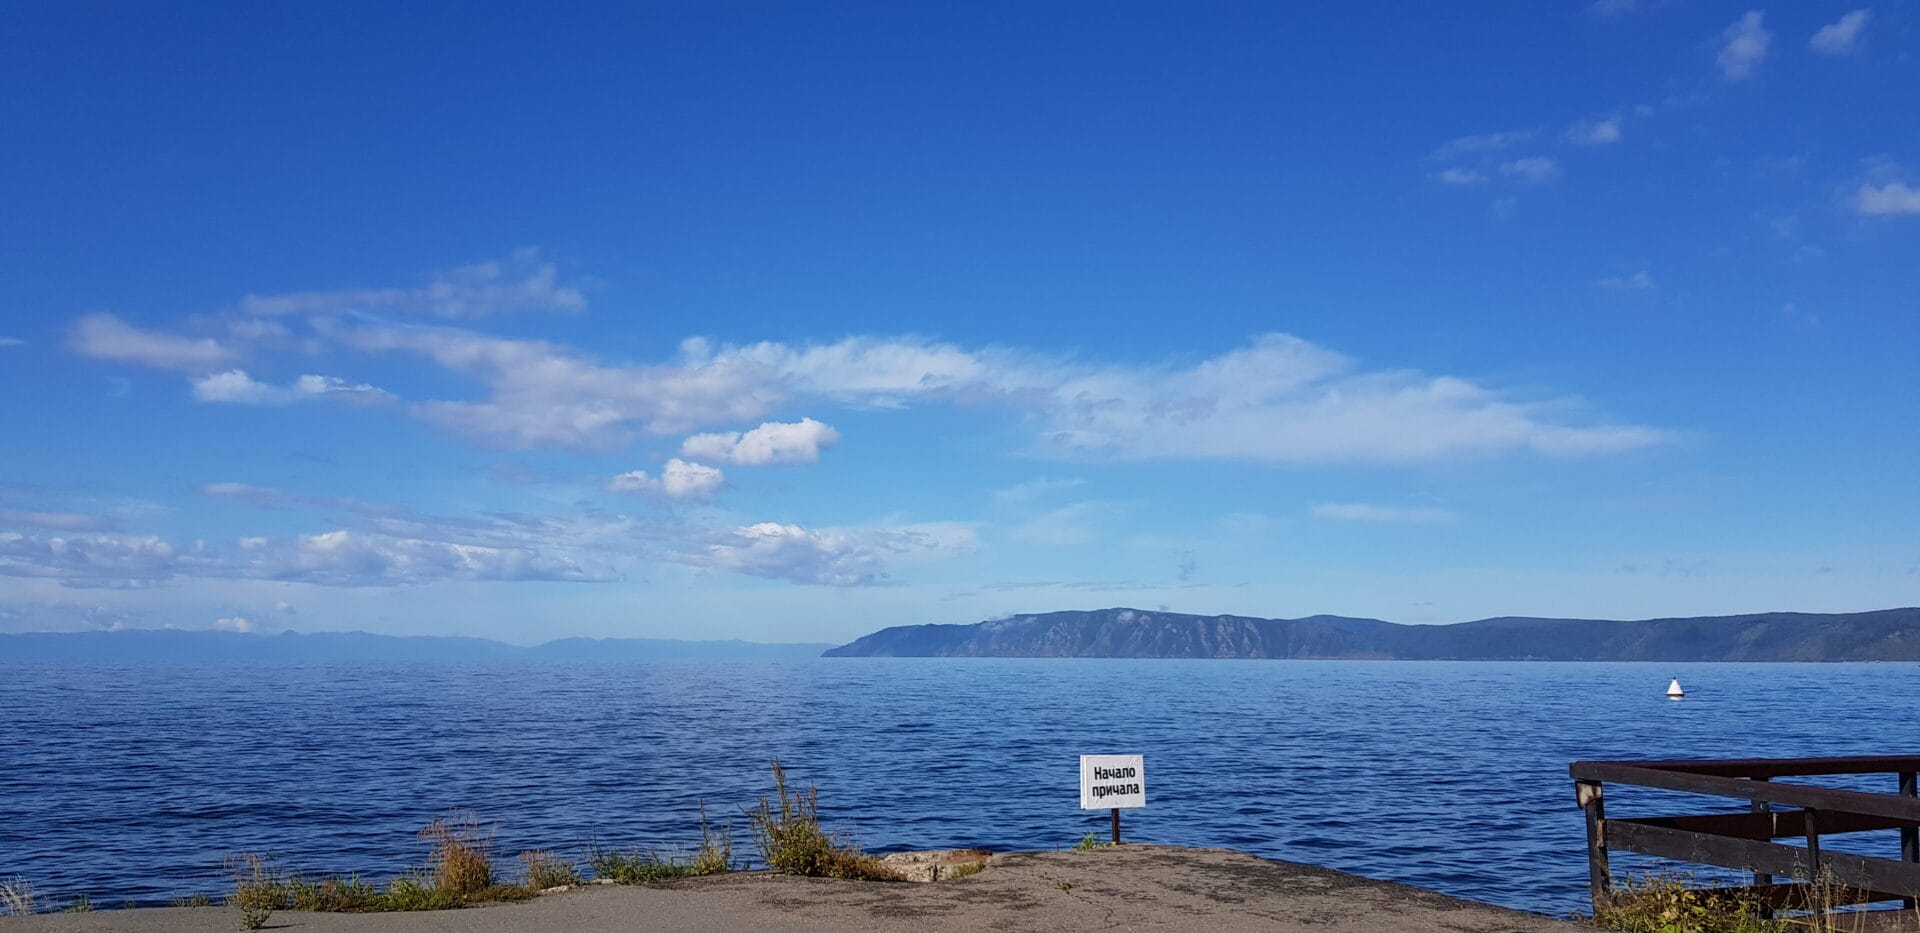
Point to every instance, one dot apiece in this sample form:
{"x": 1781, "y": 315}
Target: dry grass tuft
{"x": 16, "y": 898}
{"x": 791, "y": 840}
{"x": 462, "y": 859}
{"x": 545, "y": 870}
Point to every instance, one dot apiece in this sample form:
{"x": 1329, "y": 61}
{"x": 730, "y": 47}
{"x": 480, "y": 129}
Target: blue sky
{"x": 788, "y": 323}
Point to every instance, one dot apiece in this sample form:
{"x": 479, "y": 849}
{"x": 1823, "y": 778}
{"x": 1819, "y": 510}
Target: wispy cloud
{"x": 1594, "y": 132}
{"x": 236, "y": 387}
{"x": 828, "y": 557}
{"x": 1067, "y": 526}
{"x": 1461, "y": 177}
{"x": 11, "y": 342}
{"x": 1533, "y": 170}
{"x": 1023, "y": 493}
{"x": 1890, "y": 198}
{"x": 1479, "y": 144}
{"x": 1841, "y": 37}
{"x": 58, "y": 521}
{"x": 1744, "y": 46}
{"x": 773, "y": 442}
{"x": 106, "y": 337}
{"x": 1637, "y": 282}
{"x": 521, "y": 282}
{"x": 1382, "y": 514}
{"x": 1281, "y": 399}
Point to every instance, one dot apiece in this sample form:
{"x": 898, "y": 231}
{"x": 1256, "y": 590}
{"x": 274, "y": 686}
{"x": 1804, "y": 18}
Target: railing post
{"x": 1909, "y": 835}
{"x": 1600, "y": 877}
{"x": 1761, "y": 878}
{"x": 1812, "y": 818}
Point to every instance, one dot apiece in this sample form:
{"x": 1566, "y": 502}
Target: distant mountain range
{"x": 1885, "y": 635}
{"x": 166, "y": 646}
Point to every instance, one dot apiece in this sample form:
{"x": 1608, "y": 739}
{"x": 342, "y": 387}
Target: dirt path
{"x": 1125, "y": 888}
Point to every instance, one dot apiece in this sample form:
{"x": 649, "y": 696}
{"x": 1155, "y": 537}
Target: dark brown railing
{"x": 1745, "y": 841}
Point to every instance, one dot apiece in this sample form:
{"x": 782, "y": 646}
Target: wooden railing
{"x": 1745, "y": 841}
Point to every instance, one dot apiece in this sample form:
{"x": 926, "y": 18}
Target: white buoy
{"x": 1673, "y": 690}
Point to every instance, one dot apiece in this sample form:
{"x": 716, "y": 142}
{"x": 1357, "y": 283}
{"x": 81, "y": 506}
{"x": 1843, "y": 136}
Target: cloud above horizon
{"x": 236, "y": 387}
{"x": 1841, "y": 37}
{"x": 107, "y": 337}
{"x": 679, "y": 479}
{"x": 1382, "y": 514}
{"x": 521, "y": 282}
{"x": 771, "y": 443}
{"x": 1744, "y": 47}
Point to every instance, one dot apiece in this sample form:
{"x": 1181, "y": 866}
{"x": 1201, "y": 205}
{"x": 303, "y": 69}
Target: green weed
{"x": 791, "y": 841}
{"x": 1671, "y": 904}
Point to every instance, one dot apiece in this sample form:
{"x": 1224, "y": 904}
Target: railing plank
{"x": 1798, "y": 795}
{"x": 1771, "y": 824}
{"x": 1845, "y": 868}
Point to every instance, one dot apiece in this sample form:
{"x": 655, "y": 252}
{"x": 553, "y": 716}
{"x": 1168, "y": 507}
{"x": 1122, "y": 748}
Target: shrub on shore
{"x": 791, "y": 840}
{"x": 257, "y": 888}
{"x": 1672, "y": 904}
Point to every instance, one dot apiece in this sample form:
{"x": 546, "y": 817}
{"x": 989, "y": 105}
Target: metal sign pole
{"x": 1116, "y": 825}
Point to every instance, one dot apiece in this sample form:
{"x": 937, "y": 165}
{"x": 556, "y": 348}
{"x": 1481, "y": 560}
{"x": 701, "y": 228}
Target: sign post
{"x": 1113, "y": 782}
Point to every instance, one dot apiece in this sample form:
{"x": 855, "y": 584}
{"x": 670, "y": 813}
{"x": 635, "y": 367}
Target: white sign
{"x": 1109, "y": 781}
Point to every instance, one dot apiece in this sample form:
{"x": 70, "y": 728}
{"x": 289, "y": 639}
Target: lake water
{"x": 136, "y": 782}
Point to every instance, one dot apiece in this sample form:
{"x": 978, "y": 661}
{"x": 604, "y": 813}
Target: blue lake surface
{"x": 136, "y": 782}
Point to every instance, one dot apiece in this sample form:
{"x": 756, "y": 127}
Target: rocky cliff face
{"x": 1886, "y": 635}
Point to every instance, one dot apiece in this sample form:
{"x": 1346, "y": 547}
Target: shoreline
{"x": 1131, "y": 886}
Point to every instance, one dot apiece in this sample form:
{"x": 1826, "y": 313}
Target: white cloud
{"x": 827, "y": 557}
{"x": 678, "y": 480}
{"x": 11, "y": 342}
{"x": 260, "y": 496}
{"x": 1023, "y": 493}
{"x": 773, "y": 442}
{"x": 519, "y": 283}
{"x": 1637, "y": 282}
{"x": 1745, "y": 47}
{"x": 1595, "y": 132}
{"x": 1479, "y": 144}
{"x": 1279, "y": 400}
{"x": 1533, "y": 170}
{"x": 88, "y": 559}
{"x": 105, "y": 337}
{"x": 233, "y": 624}
{"x": 1067, "y": 526}
{"x": 1890, "y": 198}
{"x": 1841, "y": 37}
{"x": 541, "y": 394}
{"x": 522, "y": 551}
{"x": 57, "y": 521}
{"x": 1381, "y": 514}
{"x": 348, "y": 558}
{"x": 236, "y": 387}
{"x": 1284, "y": 400}
{"x": 1461, "y": 177}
